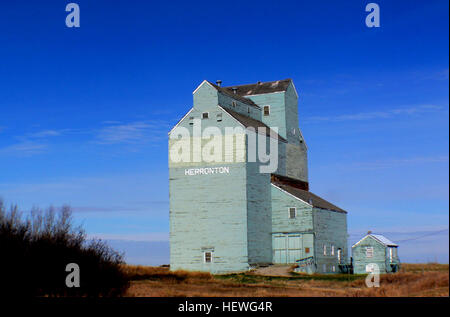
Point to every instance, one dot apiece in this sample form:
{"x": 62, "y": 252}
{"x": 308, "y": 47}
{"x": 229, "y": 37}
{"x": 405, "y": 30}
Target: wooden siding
{"x": 380, "y": 256}
{"x": 284, "y": 228}
{"x": 330, "y": 229}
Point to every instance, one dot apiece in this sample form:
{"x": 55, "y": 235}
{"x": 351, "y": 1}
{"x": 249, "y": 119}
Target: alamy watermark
{"x": 373, "y": 278}
{"x": 373, "y": 18}
{"x": 73, "y": 18}
{"x": 235, "y": 145}
{"x": 73, "y": 278}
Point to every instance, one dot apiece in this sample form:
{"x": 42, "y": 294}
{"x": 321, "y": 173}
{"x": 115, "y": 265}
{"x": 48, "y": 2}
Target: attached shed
{"x": 375, "y": 249}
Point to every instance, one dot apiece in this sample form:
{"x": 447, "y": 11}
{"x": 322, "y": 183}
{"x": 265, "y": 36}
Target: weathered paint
{"x": 381, "y": 256}
{"x": 330, "y": 230}
{"x": 239, "y": 215}
{"x": 317, "y": 227}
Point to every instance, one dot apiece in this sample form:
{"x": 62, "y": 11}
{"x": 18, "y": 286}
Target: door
{"x": 287, "y": 248}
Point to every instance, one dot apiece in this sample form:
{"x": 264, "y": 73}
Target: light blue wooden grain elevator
{"x": 228, "y": 216}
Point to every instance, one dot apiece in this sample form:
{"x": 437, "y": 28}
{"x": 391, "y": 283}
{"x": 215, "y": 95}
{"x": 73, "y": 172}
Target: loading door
{"x": 287, "y": 248}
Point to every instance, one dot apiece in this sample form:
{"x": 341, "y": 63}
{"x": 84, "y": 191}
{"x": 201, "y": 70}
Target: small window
{"x": 339, "y": 255}
{"x": 205, "y": 115}
{"x": 248, "y": 109}
{"x": 332, "y": 250}
{"x": 292, "y": 212}
{"x": 233, "y": 104}
{"x": 266, "y": 111}
{"x": 306, "y": 250}
{"x": 219, "y": 117}
{"x": 191, "y": 120}
{"x": 208, "y": 257}
{"x": 334, "y": 268}
{"x": 324, "y": 249}
{"x": 369, "y": 252}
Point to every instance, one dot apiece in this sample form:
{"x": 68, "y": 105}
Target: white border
{"x": 204, "y": 256}
{"x": 289, "y": 213}
{"x": 291, "y": 195}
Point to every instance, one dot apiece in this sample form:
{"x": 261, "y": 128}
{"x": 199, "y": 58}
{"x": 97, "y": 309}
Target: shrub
{"x": 35, "y": 250}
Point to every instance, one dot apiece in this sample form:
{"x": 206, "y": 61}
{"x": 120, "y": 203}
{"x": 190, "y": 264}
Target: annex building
{"x": 228, "y": 215}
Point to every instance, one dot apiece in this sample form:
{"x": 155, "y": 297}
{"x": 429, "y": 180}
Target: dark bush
{"x": 35, "y": 250}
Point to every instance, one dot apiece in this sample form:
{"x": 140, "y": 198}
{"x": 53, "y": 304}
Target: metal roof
{"x": 384, "y": 240}
{"x": 380, "y": 238}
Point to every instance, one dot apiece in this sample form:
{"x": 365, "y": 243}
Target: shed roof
{"x": 308, "y": 197}
{"x": 260, "y": 87}
{"x": 380, "y": 238}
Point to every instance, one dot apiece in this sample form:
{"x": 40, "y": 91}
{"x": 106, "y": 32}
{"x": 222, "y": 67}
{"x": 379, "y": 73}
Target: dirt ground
{"x": 414, "y": 280}
{"x": 274, "y": 270}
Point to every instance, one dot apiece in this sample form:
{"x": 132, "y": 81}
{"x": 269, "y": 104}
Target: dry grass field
{"x": 414, "y": 280}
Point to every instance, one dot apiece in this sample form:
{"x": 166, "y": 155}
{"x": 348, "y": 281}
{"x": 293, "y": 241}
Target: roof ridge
{"x": 235, "y": 96}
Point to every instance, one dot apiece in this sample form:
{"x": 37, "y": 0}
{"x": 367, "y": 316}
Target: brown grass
{"x": 414, "y": 280}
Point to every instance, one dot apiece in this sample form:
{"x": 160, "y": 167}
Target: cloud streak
{"x": 139, "y": 132}
{"x": 148, "y": 236}
{"x": 382, "y": 164}
{"x": 376, "y": 114}
{"x": 25, "y": 148}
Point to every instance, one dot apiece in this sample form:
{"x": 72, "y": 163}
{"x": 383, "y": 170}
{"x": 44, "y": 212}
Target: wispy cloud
{"x": 150, "y": 236}
{"x": 132, "y": 207}
{"x": 438, "y": 75}
{"x": 46, "y": 133}
{"x": 138, "y": 132}
{"x": 386, "y": 114}
{"x": 31, "y": 143}
{"x": 25, "y": 148}
{"x": 381, "y": 164}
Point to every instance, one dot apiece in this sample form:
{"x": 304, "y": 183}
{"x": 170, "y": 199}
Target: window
{"x": 332, "y": 250}
{"x": 306, "y": 250}
{"x": 391, "y": 254}
{"x": 369, "y": 252}
{"x": 191, "y": 120}
{"x": 339, "y": 255}
{"x": 324, "y": 249}
{"x": 334, "y": 268}
{"x": 233, "y": 104}
{"x": 205, "y": 115}
{"x": 248, "y": 109}
{"x": 208, "y": 257}
{"x": 292, "y": 212}
{"x": 219, "y": 117}
{"x": 266, "y": 111}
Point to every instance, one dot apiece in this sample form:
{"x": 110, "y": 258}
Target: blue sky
{"x": 84, "y": 113}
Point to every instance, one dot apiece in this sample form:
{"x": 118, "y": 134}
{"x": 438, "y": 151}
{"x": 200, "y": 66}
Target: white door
{"x": 287, "y": 248}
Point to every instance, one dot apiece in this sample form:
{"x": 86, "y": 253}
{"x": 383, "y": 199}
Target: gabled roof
{"x": 249, "y": 122}
{"x": 380, "y": 238}
{"x": 260, "y": 88}
{"x": 235, "y": 96}
{"x": 308, "y": 197}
